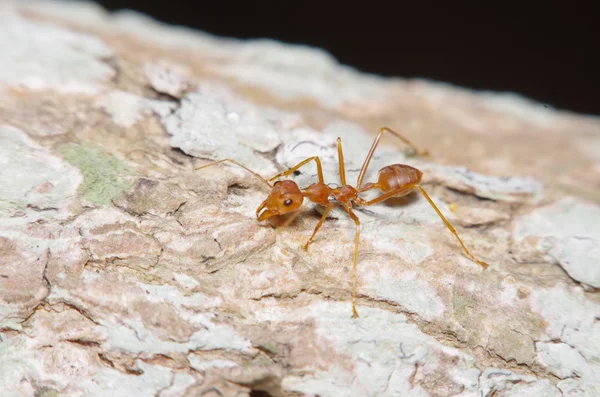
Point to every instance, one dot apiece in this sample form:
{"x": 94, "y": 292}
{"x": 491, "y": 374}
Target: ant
{"x": 394, "y": 180}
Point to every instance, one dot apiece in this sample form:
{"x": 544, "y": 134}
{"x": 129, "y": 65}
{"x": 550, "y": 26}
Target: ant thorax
{"x": 344, "y": 194}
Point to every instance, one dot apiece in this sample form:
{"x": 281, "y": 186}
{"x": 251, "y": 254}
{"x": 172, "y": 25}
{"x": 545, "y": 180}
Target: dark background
{"x": 544, "y": 51}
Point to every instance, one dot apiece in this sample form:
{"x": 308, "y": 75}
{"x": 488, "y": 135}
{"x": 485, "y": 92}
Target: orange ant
{"x": 394, "y": 180}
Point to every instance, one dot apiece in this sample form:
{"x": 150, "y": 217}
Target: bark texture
{"x": 125, "y": 272}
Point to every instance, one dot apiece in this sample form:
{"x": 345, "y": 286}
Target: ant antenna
{"x": 240, "y": 165}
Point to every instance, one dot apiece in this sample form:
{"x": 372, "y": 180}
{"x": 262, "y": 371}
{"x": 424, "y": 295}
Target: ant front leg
{"x": 323, "y": 217}
{"x": 291, "y": 170}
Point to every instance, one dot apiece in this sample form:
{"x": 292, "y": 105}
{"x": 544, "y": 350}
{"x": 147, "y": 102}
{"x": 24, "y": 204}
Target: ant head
{"x": 284, "y": 198}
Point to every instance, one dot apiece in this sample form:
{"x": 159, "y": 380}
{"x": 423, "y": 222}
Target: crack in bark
{"x": 84, "y": 312}
{"x": 122, "y": 367}
{"x": 404, "y": 356}
{"x": 266, "y": 352}
{"x": 412, "y": 377}
{"x": 106, "y": 360}
{"x": 45, "y": 276}
{"x": 162, "y": 389}
{"x": 528, "y": 369}
{"x": 218, "y": 243}
{"x": 41, "y": 209}
{"x": 174, "y": 213}
{"x": 84, "y": 342}
{"x": 159, "y": 257}
{"x": 387, "y": 382}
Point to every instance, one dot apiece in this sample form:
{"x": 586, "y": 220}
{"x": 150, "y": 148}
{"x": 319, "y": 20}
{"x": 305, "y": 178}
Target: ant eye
{"x": 275, "y": 184}
{"x": 287, "y": 202}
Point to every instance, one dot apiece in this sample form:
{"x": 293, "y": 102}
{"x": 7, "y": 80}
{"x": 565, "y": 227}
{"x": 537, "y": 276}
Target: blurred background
{"x": 545, "y": 51}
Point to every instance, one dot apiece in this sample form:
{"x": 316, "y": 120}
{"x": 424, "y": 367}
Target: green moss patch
{"x": 102, "y": 173}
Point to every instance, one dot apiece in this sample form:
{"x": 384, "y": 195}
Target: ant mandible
{"x": 394, "y": 180}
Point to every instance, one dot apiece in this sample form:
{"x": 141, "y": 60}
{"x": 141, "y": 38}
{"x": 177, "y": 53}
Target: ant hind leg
{"x": 452, "y": 230}
{"x": 404, "y": 190}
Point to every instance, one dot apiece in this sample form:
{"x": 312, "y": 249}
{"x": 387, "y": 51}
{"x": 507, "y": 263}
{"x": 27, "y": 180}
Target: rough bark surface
{"x": 125, "y": 272}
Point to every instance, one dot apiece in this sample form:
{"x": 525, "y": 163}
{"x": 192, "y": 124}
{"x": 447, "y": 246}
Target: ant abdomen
{"x": 396, "y": 176}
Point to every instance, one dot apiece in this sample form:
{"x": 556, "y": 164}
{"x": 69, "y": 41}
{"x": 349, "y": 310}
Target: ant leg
{"x": 289, "y": 172}
{"x": 402, "y": 191}
{"x": 355, "y": 259}
{"x": 341, "y": 162}
{"x": 452, "y": 230}
{"x": 238, "y": 164}
{"x": 363, "y": 170}
{"x": 329, "y": 207}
